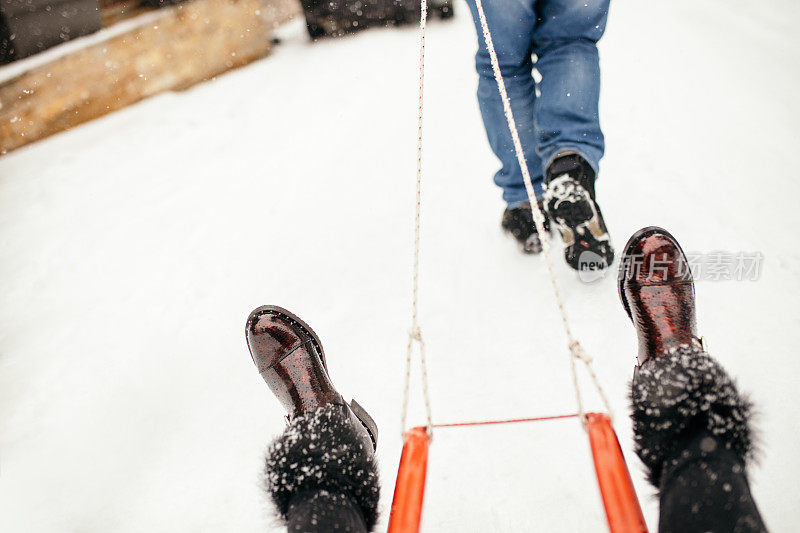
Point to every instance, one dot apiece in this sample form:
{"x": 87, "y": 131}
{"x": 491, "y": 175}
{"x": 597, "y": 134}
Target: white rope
{"x": 415, "y": 333}
{"x": 575, "y": 348}
{"x": 576, "y": 351}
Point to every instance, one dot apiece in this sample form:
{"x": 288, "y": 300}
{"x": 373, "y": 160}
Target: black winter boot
{"x": 570, "y": 202}
{"x": 322, "y": 475}
{"x": 518, "y": 222}
{"x": 692, "y": 431}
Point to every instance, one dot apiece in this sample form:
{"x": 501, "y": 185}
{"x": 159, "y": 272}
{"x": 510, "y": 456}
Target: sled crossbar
{"x": 622, "y": 508}
{"x": 508, "y": 421}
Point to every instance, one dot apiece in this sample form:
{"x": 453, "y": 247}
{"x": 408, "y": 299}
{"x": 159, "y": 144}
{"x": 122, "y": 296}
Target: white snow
{"x": 134, "y": 247}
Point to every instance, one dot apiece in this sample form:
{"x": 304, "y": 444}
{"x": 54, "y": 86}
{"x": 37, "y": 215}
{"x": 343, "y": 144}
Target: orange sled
{"x": 619, "y": 498}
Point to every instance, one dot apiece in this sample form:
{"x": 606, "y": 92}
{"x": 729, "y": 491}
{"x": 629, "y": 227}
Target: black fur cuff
{"x": 321, "y": 451}
{"x": 676, "y": 395}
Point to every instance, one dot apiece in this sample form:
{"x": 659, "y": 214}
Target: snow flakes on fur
{"x": 321, "y": 451}
{"x": 678, "y": 394}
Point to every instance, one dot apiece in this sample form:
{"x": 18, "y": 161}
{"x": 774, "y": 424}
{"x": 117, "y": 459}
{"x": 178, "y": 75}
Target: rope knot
{"x": 578, "y": 352}
{"x": 415, "y": 333}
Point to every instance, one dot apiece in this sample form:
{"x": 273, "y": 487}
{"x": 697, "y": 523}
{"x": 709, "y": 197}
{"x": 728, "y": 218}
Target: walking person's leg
{"x": 567, "y": 114}
{"x": 571, "y": 142}
{"x": 511, "y": 23}
{"x": 691, "y": 424}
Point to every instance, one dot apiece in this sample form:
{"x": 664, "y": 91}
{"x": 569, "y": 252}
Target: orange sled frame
{"x": 616, "y": 488}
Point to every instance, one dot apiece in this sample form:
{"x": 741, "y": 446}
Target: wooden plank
{"x": 190, "y": 43}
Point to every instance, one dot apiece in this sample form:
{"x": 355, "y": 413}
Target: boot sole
{"x": 578, "y": 220}
{"x": 574, "y": 212}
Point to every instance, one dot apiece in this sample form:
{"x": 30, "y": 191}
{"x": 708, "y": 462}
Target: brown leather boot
{"x": 657, "y": 292}
{"x": 289, "y": 356}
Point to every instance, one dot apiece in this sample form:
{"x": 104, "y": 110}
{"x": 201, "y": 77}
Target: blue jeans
{"x": 563, "y": 116}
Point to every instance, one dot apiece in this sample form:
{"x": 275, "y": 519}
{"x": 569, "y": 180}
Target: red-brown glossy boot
{"x": 289, "y": 356}
{"x": 657, "y": 292}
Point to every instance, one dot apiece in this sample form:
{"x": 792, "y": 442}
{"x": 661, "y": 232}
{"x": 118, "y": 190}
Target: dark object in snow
{"x": 656, "y": 289}
{"x": 320, "y": 472}
{"x": 6, "y": 50}
{"x": 570, "y": 202}
{"x": 31, "y": 26}
{"x": 691, "y": 426}
{"x": 518, "y": 222}
{"x": 334, "y": 18}
{"x": 162, "y": 3}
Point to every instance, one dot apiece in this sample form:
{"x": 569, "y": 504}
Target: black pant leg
{"x": 705, "y": 489}
{"x": 322, "y": 511}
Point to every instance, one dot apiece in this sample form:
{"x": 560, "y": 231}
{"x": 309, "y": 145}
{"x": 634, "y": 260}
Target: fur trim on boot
{"x": 321, "y": 451}
{"x": 679, "y": 393}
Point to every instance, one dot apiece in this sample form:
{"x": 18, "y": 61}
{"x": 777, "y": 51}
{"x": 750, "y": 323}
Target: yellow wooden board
{"x": 186, "y": 44}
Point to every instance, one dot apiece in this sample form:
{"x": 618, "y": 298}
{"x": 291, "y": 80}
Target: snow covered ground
{"x": 133, "y": 248}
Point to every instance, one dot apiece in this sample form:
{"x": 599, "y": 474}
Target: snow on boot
{"x": 570, "y": 202}
{"x": 321, "y": 475}
{"x": 691, "y": 425}
{"x": 657, "y": 291}
{"x": 289, "y": 356}
{"x": 518, "y": 222}
{"x": 692, "y": 431}
{"x": 676, "y": 385}
{"x": 675, "y": 395}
